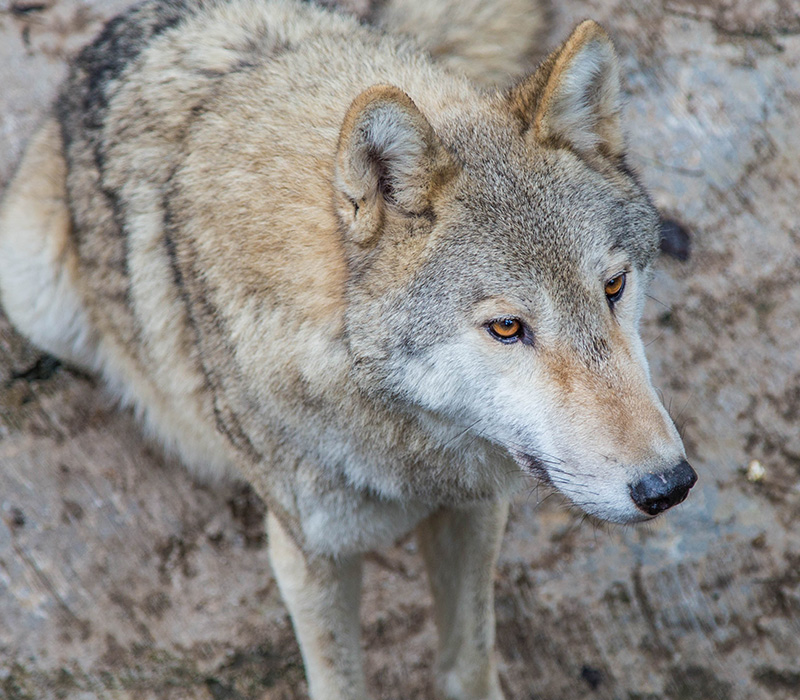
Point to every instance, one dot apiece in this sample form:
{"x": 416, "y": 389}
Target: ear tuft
{"x": 389, "y": 158}
{"x": 574, "y": 99}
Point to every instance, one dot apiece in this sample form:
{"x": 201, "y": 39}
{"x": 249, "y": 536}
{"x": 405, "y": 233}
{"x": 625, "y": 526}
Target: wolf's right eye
{"x": 506, "y": 330}
{"x": 614, "y": 288}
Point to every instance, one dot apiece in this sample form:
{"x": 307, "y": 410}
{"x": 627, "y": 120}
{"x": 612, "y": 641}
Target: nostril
{"x": 655, "y": 493}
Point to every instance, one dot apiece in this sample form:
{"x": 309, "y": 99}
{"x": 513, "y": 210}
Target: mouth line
{"x": 536, "y": 467}
{"x": 532, "y": 465}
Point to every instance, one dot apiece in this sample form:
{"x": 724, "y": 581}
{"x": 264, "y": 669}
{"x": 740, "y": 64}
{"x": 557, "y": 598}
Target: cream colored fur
{"x": 37, "y": 286}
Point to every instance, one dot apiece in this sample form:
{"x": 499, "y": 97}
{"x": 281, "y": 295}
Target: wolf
{"x": 311, "y": 256}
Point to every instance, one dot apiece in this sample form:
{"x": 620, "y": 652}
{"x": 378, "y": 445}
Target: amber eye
{"x": 506, "y": 330}
{"x": 614, "y": 287}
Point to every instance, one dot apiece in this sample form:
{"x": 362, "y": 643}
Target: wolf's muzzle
{"x": 655, "y": 493}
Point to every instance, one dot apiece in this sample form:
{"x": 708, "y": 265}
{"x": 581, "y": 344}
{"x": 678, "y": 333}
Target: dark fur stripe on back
{"x": 118, "y": 46}
{"x": 82, "y": 109}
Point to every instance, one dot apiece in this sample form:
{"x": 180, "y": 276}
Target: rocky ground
{"x": 122, "y": 578}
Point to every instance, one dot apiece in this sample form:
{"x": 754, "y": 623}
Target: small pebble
{"x": 755, "y": 471}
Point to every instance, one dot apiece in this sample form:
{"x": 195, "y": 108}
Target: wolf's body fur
{"x": 280, "y": 235}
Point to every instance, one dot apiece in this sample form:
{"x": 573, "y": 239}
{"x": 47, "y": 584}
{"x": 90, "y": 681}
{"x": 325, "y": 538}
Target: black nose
{"x": 654, "y": 493}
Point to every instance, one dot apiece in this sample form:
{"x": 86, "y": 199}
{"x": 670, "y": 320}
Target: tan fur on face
{"x": 614, "y": 402}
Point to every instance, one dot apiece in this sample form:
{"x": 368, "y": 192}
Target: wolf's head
{"x": 499, "y": 265}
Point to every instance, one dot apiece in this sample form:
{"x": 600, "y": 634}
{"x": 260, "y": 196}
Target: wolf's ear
{"x": 389, "y": 159}
{"x": 573, "y": 99}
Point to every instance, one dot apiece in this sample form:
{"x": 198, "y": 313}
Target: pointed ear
{"x": 389, "y": 159}
{"x": 574, "y": 98}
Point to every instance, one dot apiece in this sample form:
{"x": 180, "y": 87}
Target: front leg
{"x": 322, "y": 595}
{"x": 460, "y": 547}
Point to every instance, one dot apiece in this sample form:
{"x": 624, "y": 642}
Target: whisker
{"x": 554, "y": 468}
{"x": 683, "y": 408}
{"x": 539, "y": 503}
{"x": 573, "y": 473}
{"x": 461, "y": 434}
{"x": 650, "y": 342}
{"x": 658, "y": 301}
{"x": 557, "y": 459}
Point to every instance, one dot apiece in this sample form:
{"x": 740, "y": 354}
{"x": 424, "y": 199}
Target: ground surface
{"x": 121, "y": 578}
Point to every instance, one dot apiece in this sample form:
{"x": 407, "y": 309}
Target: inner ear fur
{"x": 388, "y": 159}
{"x": 573, "y": 100}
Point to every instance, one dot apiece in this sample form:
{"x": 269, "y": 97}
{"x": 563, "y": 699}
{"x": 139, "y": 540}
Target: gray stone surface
{"x": 121, "y": 578}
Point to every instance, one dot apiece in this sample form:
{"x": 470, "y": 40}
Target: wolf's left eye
{"x": 506, "y": 330}
{"x": 614, "y": 288}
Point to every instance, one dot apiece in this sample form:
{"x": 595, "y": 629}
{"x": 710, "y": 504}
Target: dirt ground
{"x": 122, "y": 578}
